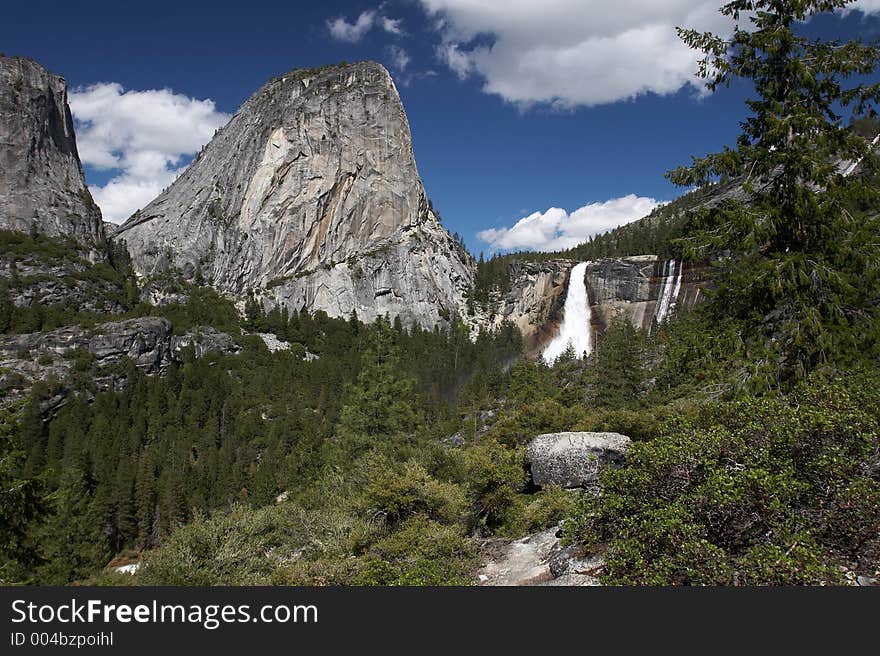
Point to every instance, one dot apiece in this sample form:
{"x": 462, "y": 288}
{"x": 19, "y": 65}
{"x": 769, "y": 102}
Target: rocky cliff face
{"x": 533, "y": 303}
{"x": 311, "y": 196}
{"x": 643, "y": 289}
{"x": 41, "y": 181}
{"x": 149, "y": 342}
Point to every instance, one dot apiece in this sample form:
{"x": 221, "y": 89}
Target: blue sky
{"x": 566, "y": 111}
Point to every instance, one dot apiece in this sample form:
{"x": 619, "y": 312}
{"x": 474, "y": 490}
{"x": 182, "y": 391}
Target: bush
{"x": 251, "y": 547}
{"x": 760, "y": 491}
{"x": 529, "y": 420}
{"x": 495, "y": 474}
{"x": 238, "y": 548}
{"x": 398, "y": 492}
{"x": 82, "y": 359}
{"x": 422, "y": 552}
{"x": 539, "y": 511}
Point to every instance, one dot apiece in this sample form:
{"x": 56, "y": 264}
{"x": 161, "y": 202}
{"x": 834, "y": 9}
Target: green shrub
{"x": 400, "y": 491}
{"x": 531, "y": 419}
{"x": 643, "y": 424}
{"x": 760, "y": 491}
{"x": 251, "y": 547}
{"x": 422, "y": 552}
{"x": 82, "y": 359}
{"x": 238, "y": 548}
{"x": 495, "y": 474}
{"x": 539, "y": 511}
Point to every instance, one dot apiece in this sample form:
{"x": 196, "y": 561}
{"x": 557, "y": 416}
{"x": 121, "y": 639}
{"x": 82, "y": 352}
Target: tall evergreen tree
{"x": 20, "y": 504}
{"x": 382, "y": 402}
{"x": 618, "y": 372}
{"x": 803, "y": 280}
{"x": 74, "y": 543}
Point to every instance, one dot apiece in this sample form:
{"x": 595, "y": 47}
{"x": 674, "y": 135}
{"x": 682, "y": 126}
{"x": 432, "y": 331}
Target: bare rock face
{"x": 533, "y": 303}
{"x": 310, "y": 197}
{"x": 537, "y": 560}
{"x": 643, "y": 289}
{"x": 41, "y": 180}
{"x": 574, "y": 459}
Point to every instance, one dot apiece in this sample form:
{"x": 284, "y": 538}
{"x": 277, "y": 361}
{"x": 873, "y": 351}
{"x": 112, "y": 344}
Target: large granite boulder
{"x": 574, "y": 459}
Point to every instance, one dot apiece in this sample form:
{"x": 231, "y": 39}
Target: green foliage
{"x": 72, "y": 544}
{"x": 519, "y": 425}
{"x": 241, "y": 547}
{"x": 381, "y": 402}
{"x": 399, "y": 491}
{"x": 800, "y": 286}
{"x": 531, "y": 381}
{"x": 492, "y": 280}
{"x": 536, "y": 512}
{"x": 495, "y": 474}
{"x": 618, "y": 369}
{"x": 638, "y": 424}
{"x": 108, "y": 287}
{"x": 749, "y": 492}
{"x": 422, "y": 552}
{"x": 129, "y": 470}
{"x": 204, "y": 307}
{"x": 20, "y": 503}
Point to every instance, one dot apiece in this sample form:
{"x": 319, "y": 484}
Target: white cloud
{"x": 143, "y": 136}
{"x": 460, "y": 62}
{"x": 400, "y": 59}
{"x": 556, "y": 229}
{"x": 864, "y": 6}
{"x": 392, "y": 25}
{"x": 572, "y": 52}
{"x": 353, "y": 32}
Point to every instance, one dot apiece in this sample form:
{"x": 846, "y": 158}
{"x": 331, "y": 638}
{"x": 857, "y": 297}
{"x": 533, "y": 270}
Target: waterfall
{"x": 575, "y": 329}
{"x": 677, "y": 289}
{"x": 669, "y": 291}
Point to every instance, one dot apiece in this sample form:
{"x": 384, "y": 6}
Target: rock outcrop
{"x": 533, "y": 303}
{"x": 573, "y": 460}
{"x": 644, "y": 289}
{"x": 41, "y": 180}
{"x": 310, "y": 197}
{"x": 148, "y": 342}
{"x": 57, "y": 278}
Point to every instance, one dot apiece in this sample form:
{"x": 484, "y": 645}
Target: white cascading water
{"x": 575, "y": 328}
{"x": 677, "y": 288}
{"x": 669, "y": 290}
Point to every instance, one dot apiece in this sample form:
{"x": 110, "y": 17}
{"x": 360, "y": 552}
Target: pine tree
{"x": 20, "y": 504}
{"x": 802, "y": 282}
{"x": 73, "y": 543}
{"x": 618, "y": 372}
{"x": 382, "y": 403}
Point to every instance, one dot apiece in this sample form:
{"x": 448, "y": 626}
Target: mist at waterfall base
{"x": 575, "y": 328}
